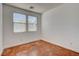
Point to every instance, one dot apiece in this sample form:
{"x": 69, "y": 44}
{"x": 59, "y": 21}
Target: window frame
{"x": 19, "y": 22}
{"x": 26, "y": 24}
{"x": 36, "y": 24}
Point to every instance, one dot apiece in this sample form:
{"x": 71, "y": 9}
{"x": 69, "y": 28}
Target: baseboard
{"x": 61, "y": 46}
{"x": 55, "y": 49}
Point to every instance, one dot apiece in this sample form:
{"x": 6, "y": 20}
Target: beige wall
{"x": 11, "y": 38}
{"x": 61, "y": 26}
{"x": 0, "y": 28}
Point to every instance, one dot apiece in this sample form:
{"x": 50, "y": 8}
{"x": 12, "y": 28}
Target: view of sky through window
{"x": 19, "y": 18}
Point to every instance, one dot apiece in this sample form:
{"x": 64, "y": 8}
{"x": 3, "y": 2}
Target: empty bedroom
{"x": 39, "y": 29}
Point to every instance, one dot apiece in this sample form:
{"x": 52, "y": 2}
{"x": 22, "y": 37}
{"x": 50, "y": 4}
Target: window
{"x": 32, "y": 23}
{"x": 19, "y": 22}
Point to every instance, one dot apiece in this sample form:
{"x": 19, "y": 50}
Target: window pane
{"x": 32, "y": 23}
{"x": 32, "y": 19}
{"x": 19, "y": 27}
{"x": 32, "y": 27}
{"x": 17, "y": 17}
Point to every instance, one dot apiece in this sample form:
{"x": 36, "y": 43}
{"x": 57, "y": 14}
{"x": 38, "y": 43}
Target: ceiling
{"x": 36, "y": 7}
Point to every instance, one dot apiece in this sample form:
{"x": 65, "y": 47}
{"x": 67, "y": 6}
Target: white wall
{"x": 0, "y": 28}
{"x": 11, "y": 38}
{"x": 61, "y": 26}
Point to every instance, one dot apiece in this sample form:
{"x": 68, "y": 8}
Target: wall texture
{"x": 0, "y": 28}
{"x": 11, "y": 38}
{"x": 61, "y": 26}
